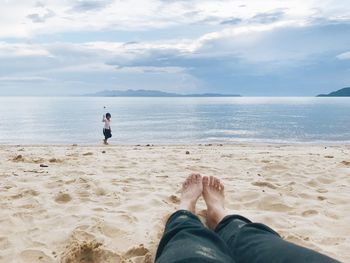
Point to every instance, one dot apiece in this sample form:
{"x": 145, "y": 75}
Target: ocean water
{"x": 62, "y": 120}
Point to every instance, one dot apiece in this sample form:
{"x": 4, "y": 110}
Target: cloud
{"x": 90, "y": 5}
{"x": 271, "y": 45}
{"x": 241, "y": 54}
{"x": 22, "y": 50}
{"x": 77, "y": 15}
{"x": 24, "y": 79}
{"x": 231, "y": 21}
{"x": 269, "y": 17}
{"x": 37, "y": 18}
{"x": 150, "y": 69}
{"x": 344, "y": 56}
{"x": 77, "y": 68}
{"x": 39, "y": 4}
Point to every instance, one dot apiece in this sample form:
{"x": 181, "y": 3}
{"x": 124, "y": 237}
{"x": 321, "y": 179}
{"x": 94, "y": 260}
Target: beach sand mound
{"x": 94, "y": 252}
{"x": 89, "y": 252}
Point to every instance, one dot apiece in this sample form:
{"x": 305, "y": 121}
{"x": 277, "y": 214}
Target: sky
{"x": 246, "y": 47}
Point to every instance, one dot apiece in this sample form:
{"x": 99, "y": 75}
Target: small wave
{"x": 233, "y": 132}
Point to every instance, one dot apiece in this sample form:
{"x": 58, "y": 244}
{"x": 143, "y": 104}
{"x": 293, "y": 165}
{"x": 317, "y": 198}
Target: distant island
{"x": 151, "y": 93}
{"x": 345, "y": 92}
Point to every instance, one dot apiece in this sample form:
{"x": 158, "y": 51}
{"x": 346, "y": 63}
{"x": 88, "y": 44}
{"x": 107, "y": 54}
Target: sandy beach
{"x": 109, "y": 204}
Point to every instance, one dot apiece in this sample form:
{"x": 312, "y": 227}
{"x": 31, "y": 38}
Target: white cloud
{"x": 344, "y": 56}
{"x": 66, "y": 41}
{"x": 28, "y": 18}
{"x": 41, "y": 18}
{"x": 90, "y": 5}
{"x": 24, "y": 79}
{"x": 22, "y": 50}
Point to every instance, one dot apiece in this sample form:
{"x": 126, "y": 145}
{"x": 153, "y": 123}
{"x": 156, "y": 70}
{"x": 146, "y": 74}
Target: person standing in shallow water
{"x": 229, "y": 238}
{"x": 107, "y": 131}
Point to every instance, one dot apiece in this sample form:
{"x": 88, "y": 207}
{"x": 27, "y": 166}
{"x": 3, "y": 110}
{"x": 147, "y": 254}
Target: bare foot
{"x": 191, "y": 190}
{"x": 213, "y": 193}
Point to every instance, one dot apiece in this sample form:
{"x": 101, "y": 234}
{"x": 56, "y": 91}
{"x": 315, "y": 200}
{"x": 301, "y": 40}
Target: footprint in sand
{"x": 174, "y": 199}
{"x": 110, "y": 230}
{"x": 55, "y": 160}
{"x": 138, "y": 254}
{"x": 264, "y": 184}
{"x": 16, "y": 196}
{"x": 100, "y": 191}
{"x": 124, "y": 216}
{"x": 18, "y": 158}
{"x": 309, "y": 212}
{"x": 62, "y": 198}
{"x": 346, "y": 163}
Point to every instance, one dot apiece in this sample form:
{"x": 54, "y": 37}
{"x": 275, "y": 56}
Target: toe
{"x": 205, "y": 181}
{"x": 219, "y": 183}
{"x": 216, "y": 183}
{"x": 198, "y": 178}
{"x": 211, "y": 181}
{"x": 191, "y": 177}
{"x": 222, "y": 187}
{"x": 187, "y": 181}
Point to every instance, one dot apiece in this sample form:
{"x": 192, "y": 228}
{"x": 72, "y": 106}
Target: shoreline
{"x": 112, "y": 201}
{"x": 207, "y": 144}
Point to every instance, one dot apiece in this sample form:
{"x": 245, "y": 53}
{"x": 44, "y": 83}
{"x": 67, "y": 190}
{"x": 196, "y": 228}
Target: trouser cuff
{"x": 181, "y": 213}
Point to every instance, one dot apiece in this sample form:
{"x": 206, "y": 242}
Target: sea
{"x": 149, "y": 120}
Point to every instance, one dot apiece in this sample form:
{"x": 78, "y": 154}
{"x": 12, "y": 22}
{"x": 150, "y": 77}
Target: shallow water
{"x": 43, "y": 120}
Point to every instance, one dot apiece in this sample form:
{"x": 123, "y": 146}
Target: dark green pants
{"x": 235, "y": 239}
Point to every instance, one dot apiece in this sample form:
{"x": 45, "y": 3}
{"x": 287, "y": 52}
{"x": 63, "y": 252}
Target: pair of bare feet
{"x": 213, "y": 193}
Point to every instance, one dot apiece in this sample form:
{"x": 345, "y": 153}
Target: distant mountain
{"x": 151, "y": 93}
{"x": 345, "y": 92}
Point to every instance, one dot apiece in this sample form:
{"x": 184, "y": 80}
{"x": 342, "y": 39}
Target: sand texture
{"x": 109, "y": 204}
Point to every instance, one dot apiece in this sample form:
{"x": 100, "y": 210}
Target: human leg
{"x": 255, "y": 242}
{"x": 247, "y": 241}
{"x": 105, "y": 135}
{"x": 185, "y": 238}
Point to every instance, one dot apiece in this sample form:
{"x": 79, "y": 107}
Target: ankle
{"x": 188, "y": 205}
{"x": 215, "y": 216}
